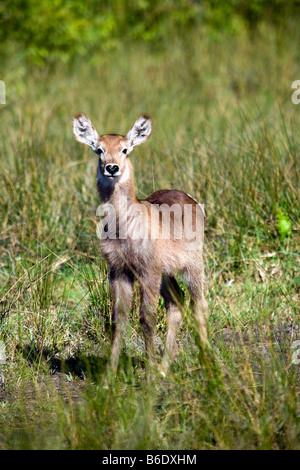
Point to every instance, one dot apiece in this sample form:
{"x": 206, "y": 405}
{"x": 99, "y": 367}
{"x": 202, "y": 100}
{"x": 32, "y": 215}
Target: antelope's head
{"x": 112, "y": 149}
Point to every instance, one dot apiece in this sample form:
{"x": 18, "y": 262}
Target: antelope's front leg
{"x": 122, "y": 293}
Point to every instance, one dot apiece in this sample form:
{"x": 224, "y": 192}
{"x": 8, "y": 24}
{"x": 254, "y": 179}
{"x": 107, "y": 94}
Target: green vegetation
{"x": 224, "y": 130}
{"x": 47, "y": 31}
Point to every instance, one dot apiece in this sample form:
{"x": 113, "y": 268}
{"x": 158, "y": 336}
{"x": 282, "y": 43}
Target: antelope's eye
{"x": 100, "y": 151}
{"x": 124, "y": 151}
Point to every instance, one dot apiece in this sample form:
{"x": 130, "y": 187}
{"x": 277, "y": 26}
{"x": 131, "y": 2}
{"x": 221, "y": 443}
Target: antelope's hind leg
{"x": 150, "y": 287}
{"x": 173, "y": 297}
{"x": 196, "y": 281}
{"x": 122, "y": 294}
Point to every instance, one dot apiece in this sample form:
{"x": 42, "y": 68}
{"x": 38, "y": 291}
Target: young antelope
{"x": 148, "y": 241}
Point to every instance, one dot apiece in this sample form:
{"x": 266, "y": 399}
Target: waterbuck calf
{"x": 148, "y": 241}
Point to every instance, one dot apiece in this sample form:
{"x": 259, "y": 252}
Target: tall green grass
{"x": 226, "y": 131}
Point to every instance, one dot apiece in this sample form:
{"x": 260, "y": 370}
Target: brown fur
{"x": 152, "y": 262}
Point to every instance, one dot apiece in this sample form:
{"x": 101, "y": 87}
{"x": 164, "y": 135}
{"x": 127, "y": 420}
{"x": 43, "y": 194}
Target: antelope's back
{"x": 187, "y": 204}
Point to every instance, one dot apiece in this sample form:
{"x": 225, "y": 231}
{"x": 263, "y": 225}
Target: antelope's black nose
{"x": 112, "y": 169}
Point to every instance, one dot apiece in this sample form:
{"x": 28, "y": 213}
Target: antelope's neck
{"x": 122, "y": 198}
{"x": 120, "y": 195}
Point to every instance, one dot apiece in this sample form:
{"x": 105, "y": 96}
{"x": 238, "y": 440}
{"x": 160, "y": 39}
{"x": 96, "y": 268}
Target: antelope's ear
{"x": 140, "y": 131}
{"x": 84, "y": 131}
